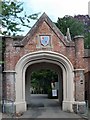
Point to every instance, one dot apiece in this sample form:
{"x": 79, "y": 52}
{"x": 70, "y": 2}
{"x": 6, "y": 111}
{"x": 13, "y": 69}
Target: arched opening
{"x": 48, "y": 57}
{"x": 51, "y": 83}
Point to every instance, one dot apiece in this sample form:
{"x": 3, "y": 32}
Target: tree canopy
{"x": 76, "y": 26}
{"x": 13, "y": 17}
{"x": 42, "y": 79}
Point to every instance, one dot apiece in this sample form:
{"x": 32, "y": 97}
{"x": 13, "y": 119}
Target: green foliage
{"x": 13, "y": 17}
{"x": 42, "y": 79}
{"x": 76, "y": 27}
{"x": 87, "y": 40}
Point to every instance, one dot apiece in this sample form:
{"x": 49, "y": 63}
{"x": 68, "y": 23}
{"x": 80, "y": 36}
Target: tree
{"x": 42, "y": 79}
{"x": 86, "y": 21}
{"x": 13, "y": 17}
{"x": 76, "y": 27}
{"x": 87, "y": 40}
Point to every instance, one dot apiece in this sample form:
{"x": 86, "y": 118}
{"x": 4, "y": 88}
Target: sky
{"x": 56, "y": 8}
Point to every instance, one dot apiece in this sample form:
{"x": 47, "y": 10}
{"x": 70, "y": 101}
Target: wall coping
{"x": 78, "y": 36}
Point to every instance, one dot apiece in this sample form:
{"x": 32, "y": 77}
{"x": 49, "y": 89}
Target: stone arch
{"x": 50, "y": 57}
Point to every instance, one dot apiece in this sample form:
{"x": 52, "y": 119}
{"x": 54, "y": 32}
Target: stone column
{"x": 9, "y": 91}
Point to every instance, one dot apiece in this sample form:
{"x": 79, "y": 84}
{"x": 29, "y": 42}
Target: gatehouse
{"x": 45, "y": 47}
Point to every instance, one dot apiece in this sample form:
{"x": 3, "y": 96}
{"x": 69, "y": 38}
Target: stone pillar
{"x": 9, "y": 91}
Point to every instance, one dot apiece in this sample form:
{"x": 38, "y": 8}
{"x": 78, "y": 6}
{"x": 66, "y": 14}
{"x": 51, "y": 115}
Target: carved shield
{"x": 44, "y": 40}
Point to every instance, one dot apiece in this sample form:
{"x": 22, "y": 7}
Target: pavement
{"x": 42, "y": 107}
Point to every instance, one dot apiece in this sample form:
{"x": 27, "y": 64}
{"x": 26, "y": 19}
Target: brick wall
{"x": 73, "y": 50}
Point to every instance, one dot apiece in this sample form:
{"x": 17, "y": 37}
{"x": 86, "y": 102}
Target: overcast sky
{"x": 56, "y": 8}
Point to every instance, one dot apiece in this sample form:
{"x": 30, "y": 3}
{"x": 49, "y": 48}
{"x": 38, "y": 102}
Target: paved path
{"x": 42, "y": 107}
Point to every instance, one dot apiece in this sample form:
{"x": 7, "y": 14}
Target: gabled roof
{"x": 43, "y": 18}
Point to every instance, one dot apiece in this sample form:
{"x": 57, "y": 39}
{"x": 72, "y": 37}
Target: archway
{"x": 47, "y": 72}
{"x": 47, "y": 57}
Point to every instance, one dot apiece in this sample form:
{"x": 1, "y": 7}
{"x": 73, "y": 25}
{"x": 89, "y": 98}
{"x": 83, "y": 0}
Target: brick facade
{"x": 15, "y": 48}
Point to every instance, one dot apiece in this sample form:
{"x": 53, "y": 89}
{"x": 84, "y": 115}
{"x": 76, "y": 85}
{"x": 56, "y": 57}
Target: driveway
{"x": 42, "y": 107}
